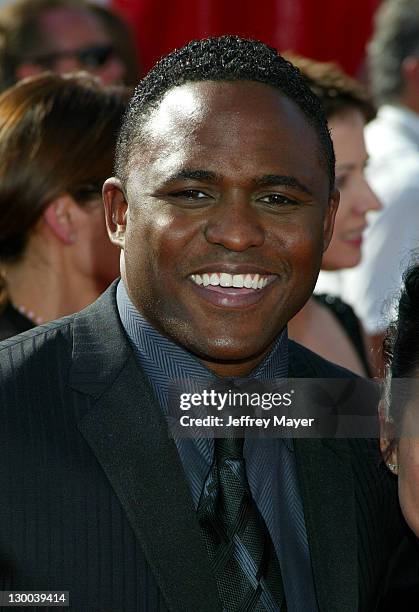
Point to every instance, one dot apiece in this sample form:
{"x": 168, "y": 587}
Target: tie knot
{"x": 229, "y": 448}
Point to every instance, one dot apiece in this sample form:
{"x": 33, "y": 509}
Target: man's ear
{"x": 59, "y": 218}
{"x": 115, "y": 210}
{"x": 329, "y": 219}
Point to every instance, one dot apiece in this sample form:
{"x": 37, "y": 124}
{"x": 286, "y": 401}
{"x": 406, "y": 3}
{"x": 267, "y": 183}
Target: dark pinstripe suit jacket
{"x": 93, "y": 498}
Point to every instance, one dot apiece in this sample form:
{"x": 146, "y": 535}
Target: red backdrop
{"x": 321, "y": 29}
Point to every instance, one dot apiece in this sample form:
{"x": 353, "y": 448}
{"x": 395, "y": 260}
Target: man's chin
{"x": 224, "y": 350}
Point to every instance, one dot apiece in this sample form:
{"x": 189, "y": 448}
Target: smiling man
{"x": 222, "y": 204}
{"x": 236, "y": 219}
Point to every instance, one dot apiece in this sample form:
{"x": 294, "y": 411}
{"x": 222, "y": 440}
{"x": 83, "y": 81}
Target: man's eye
{"x": 278, "y": 198}
{"x": 189, "y": 194}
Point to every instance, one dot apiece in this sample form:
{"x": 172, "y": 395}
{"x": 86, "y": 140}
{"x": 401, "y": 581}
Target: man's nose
{"x": 235, "y": 224}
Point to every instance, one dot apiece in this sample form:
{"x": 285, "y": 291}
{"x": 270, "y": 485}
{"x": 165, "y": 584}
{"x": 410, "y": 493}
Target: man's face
{"x": 229, "y": 189}
{"x": 74, "y": 40}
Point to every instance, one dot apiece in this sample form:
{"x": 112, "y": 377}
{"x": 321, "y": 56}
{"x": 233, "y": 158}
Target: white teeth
{"x": 238, "y": 280}
{"x": 223, "y": 279}
{"x": 248, "y": 281}
{"x": 226, "y": 280}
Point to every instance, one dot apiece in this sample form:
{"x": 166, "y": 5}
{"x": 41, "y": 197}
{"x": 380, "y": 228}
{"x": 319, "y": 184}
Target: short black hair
{"x": 226, "y": 58}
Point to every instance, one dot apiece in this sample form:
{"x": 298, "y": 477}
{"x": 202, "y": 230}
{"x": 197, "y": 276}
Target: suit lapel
{"x": 128, "y": 435}
{"x": 327, "y": 489}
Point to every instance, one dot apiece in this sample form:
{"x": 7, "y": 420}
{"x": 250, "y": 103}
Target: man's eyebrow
{"x": 270, "y": 180}
{"x": 192, "y": 174}
{"x": 263, "y": 181}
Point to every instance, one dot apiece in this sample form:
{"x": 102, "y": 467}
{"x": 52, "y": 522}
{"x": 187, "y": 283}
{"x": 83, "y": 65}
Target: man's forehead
{"x": 192, "y": 106}
{"x": 181, "y": 104}
{"x": 237, "y": 130}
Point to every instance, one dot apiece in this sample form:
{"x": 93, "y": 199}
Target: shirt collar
{"x": 159, "y": 354}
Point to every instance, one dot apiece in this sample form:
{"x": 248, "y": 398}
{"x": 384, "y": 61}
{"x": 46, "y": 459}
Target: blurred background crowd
{"x": 58, "y": 132}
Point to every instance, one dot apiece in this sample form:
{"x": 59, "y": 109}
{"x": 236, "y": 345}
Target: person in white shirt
{"x": 392, "y": 139}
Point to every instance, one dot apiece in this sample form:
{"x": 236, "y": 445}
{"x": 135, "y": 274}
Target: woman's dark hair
{"x": 57, "y": 135}
{"x": 402, "y": 344}
{"x": 338, "y": 92}
{"x": 403, "y": 347}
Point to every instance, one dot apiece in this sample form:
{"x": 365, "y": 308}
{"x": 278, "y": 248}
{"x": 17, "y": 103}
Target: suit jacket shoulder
{"x": 304, "y": 363}
{"x": 35, "y": 353}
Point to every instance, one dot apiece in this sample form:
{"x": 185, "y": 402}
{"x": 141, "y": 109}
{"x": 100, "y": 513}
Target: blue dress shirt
{"x": 270, "y": 463}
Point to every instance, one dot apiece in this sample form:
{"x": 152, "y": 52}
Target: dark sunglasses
{"x": 89, "y": 57}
